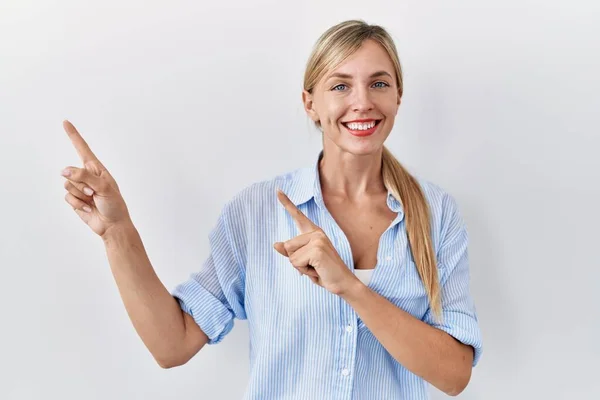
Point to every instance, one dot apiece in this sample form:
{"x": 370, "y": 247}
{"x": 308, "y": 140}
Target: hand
{"x": 103, "y": 207}
{"x": 313, "y": 254}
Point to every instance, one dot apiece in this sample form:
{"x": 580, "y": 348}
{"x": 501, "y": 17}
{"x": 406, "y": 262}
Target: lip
{"x": 362, "y": 133}
{"x": 362, "y": 120}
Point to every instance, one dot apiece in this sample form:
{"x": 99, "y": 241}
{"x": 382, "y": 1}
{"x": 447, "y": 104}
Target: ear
{"x": 399, "y": 98}
{"x": 307, "y": 100}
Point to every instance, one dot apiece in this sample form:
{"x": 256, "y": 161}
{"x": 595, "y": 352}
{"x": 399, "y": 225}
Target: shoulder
{"x": 446, "y": 217}
{"x": 441, "y": 201}
{"x": 259, "y": 198}
{"x": 251, "y": 210}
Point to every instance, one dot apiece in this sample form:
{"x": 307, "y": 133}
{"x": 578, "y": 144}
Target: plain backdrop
{"x": 188, "y": 103}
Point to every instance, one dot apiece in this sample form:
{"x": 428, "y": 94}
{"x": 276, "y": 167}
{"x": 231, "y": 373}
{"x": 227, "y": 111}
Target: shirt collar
{"x": 307, "y": 185}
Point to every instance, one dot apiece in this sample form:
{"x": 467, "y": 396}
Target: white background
{"x": 187, "y": 103}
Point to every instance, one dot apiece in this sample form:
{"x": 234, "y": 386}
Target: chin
{"x": 363, "y": 148}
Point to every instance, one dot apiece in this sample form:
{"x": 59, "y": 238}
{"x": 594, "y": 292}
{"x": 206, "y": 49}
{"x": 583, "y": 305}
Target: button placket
{"x": 348, "y": 352}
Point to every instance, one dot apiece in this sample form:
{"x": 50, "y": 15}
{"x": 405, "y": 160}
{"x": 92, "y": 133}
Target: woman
{"x": 381, "y": 305}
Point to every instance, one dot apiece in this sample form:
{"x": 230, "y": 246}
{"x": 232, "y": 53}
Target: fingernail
{"x": 87, "y": 209}
{"x": 65, "y": 172}
{"x": 88, "y": 191}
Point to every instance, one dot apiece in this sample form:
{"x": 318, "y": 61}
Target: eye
{"x": 385, "y": 84}
{"x": 333, "y": 89}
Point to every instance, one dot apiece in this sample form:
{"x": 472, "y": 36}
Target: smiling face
{"x": 357, "y": 102}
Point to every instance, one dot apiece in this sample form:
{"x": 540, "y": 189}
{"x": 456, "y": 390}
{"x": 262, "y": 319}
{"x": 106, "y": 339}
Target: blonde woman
{"x": 352, "y": 273}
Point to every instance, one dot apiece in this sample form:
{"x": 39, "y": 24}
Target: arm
{"x": 424, "y": 350}
{"x": 441, "y": 353}
{"x": 170, "y": 335}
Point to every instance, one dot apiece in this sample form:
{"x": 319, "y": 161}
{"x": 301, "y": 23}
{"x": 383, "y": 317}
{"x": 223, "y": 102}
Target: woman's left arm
{"x": 424, "y": 350}
{"x": 441, "y": 353}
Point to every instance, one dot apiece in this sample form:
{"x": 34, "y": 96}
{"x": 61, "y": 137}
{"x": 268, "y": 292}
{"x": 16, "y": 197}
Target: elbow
{"x": 454, "y": 392}
{"x": 461, "y": 376}
{"x": 459, "y": 384}
{"x": 169, "y": 362}
{"x": 166, "y": 365}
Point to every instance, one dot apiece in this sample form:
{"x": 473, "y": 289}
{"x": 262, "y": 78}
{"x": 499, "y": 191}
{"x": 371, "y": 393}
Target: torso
{"x": 363, "y": 225}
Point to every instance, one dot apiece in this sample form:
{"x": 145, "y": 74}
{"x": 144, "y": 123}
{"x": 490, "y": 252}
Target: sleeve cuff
{"x": 215, "y": 320}
{"x": 463, "y": 328}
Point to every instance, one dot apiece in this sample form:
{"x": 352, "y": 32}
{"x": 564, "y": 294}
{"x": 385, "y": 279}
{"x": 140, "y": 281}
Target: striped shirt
{"x": 305, "y": 342}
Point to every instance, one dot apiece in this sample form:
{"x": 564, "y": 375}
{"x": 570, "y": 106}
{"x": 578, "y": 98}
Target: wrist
{"x": 119, "y": 233}
{"x": 353, "y": 290}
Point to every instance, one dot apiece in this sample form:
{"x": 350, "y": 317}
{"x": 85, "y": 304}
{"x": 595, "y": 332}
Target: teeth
{"x": 356, "y": 126}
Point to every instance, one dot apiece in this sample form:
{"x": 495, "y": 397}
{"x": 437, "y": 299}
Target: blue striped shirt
{"x": 305, "y": 342}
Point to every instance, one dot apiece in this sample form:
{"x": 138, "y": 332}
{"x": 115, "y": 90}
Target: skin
{"x": 351, "y": 175}
{"x": 91, "y": 190}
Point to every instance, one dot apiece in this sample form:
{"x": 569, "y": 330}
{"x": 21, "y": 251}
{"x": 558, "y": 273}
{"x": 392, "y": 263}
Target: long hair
{"x": 331, "y": 49}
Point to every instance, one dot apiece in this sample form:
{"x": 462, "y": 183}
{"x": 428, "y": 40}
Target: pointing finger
{"x": 303, "y": 223}
{"x": 82, "y": 148}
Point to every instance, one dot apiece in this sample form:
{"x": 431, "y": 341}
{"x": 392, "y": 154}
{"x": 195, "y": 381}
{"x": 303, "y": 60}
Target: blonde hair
{"x": 332, "y": 48}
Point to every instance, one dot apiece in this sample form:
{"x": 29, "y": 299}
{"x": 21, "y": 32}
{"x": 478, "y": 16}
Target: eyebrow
{"x": 348, "y": 76}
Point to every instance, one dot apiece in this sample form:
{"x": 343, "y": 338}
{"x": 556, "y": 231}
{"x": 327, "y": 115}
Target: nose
{"x": 362, "y": 100}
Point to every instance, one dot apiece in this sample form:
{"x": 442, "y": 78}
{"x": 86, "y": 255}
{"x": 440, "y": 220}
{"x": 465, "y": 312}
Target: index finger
{"x": 303, "y": 223}
{"x": 84, "y": 151}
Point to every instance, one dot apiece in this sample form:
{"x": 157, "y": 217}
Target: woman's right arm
{"x": 171, "y": 335}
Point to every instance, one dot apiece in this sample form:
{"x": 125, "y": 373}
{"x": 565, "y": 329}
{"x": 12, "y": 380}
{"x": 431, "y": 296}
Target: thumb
{"x": 280, "y": 248}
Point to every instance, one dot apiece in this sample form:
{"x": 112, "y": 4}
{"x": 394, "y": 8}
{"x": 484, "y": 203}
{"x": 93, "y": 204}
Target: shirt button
{"x": 388, "y": 258}
{"x": 345, "y": 372}
{"x": 349, "y": 328}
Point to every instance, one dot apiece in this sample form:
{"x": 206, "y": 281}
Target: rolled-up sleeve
{"x": 214, "y": 296}
{"x": 459, "y": 317}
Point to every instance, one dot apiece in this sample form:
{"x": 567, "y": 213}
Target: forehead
{"x": 369, "y": 58}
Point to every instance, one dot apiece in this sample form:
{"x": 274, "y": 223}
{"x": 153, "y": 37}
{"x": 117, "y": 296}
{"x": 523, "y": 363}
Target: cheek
{"x": 387, "y": 105}
{"x": 335, "y": 113}
{"x": 331, "y": 109}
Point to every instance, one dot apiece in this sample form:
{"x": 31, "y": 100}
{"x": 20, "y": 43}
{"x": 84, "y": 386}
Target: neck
{"x": 349, "y": 176}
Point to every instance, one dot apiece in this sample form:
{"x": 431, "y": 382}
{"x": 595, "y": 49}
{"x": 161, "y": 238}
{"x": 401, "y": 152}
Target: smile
{"x": 361, "y": 128}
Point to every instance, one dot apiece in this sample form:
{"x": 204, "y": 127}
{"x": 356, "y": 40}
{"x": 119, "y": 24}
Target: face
{"x": 357, "y": 102}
